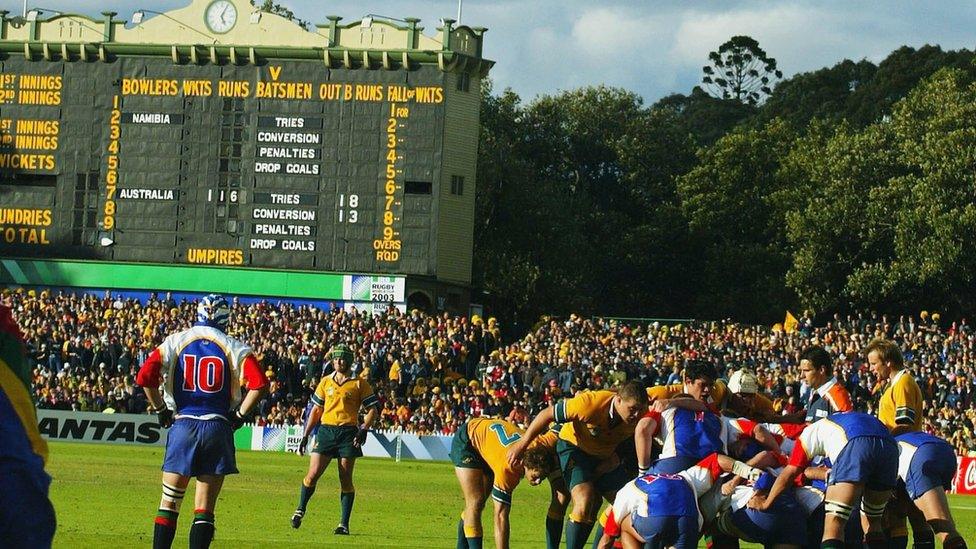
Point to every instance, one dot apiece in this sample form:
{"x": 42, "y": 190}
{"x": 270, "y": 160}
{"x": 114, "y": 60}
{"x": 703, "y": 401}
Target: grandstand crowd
{"x": 432, "y": 372}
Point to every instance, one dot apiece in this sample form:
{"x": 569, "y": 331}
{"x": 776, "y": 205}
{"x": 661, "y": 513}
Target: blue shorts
{"x": 200, "y": 447}
{"x": 868, "y": 459}
{"x": 784, "y": 523}
{"x": 661, "y": 532}
{"x": 932, "y": 466}
{"x": 26, "y": 514}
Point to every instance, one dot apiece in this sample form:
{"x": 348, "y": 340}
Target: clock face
{"x": 221, "y": 15}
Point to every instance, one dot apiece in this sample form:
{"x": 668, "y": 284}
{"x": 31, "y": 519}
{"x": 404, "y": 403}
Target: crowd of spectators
{"x": 433, "y": 371}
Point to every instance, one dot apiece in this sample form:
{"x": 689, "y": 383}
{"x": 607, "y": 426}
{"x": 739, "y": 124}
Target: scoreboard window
{"x": 284, "y": 164}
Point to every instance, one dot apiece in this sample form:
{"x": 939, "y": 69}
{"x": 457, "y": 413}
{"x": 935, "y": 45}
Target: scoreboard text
{"x": 286, "y": 165}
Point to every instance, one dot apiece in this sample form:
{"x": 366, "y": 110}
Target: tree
{"x": 737, "y": 238}
{"x": 269, "y": 6}
{"x": 741, "y": 70}
{"x": 705, "y": 117}
{"x": 891, "y": 223}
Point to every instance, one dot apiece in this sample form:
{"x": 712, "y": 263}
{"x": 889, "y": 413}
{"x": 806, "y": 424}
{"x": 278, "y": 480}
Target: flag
{"x": 790, "y": 323}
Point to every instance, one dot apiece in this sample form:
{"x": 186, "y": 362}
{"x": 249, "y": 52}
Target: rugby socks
{"x": 875, "y": 540}
{"x": 346, "y": 500}
{"x": 202, "y": 531}
{"x": 474, "y": 536}
{"x": 924, "y": 539}
{"x": 554, "y": 531}
{"x": 898, "y": 542}
{"x": 577, "y": 532}
{"x": 832, "y": 544}
{"x": 304, "y": 496}
{"x": 165, "y": 529}
{"x": 462, "y": 543}
{"x": 597, "y": 535}
{"x": 954, "y": 543}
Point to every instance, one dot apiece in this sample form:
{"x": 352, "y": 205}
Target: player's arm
{"x": 765, "y": 438}
{"x": 686, "y": 403}
{"x": 796, "y": 417}
{"x": 256, "y": 383}
{"x": 538, "y": 426}
{"x": 372, "y": 405}
{"x": 149, "y": 377}
{"x": 644, "y": 439}
{"x": 906, "y": 408}
{"x": 806, "y": 447}
{"x": 502, "y": 524}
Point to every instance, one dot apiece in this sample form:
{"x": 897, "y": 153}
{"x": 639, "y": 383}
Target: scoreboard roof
{"x": 186, "y": 35}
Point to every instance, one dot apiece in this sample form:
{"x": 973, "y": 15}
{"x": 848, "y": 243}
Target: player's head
{"x": 538, "y": 462}
{"x": 745, "y": 384}
{"x": 699, "y": 378}
{"x": 815, "y": 366}
{"x": 213, "y": 311}
{"x": 883, "y": 357}
{"x": 631, "y": 401}
{"x": 341, "y": 356}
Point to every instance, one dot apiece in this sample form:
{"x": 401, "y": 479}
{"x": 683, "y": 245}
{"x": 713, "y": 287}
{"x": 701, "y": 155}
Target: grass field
{"x": 106, "y": 497}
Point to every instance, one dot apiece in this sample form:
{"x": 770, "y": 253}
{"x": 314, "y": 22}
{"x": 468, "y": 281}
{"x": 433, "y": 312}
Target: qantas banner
{"x": 965, "y": 481}
{"x": 100, "y": 428}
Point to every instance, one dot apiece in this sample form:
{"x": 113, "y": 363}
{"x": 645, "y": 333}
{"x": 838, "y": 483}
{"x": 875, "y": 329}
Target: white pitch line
{"x": 966, "y": 507}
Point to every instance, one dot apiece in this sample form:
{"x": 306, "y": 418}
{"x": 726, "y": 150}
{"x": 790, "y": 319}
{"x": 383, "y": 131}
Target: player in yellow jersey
{"x": 479, "y": 452}
{"x": 337, "y": 401}
{"x": 595, "y": 423}
{"x": 900, "y": 408}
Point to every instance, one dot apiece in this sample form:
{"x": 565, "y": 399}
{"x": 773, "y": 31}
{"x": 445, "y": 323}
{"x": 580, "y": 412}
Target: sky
{"x": 652, "y": 47}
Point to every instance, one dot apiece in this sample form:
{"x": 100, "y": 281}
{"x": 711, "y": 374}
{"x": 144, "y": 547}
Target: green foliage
{"x": 891, "y": 222}
{"x": 737, "y": 230}
{"x": 269, "y": 6}
{"x": 850, "y": 187}
{"x": 741, "y": 70}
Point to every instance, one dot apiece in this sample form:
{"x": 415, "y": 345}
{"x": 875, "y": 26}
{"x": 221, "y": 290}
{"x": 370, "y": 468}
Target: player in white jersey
{"x": 200, "y": 371}
{"x": 865, "y": 462}
{"x": 661, "y": 510}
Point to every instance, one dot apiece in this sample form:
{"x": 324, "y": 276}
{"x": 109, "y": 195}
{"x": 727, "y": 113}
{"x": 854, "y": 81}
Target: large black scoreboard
{"x": 285, "y": 164}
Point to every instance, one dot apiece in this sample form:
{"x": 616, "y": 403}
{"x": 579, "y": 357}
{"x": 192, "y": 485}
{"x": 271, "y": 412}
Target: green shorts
{"x": 337, "y": 441}
{"x": 579, "y": 467}
{"x": 463, "y": 453}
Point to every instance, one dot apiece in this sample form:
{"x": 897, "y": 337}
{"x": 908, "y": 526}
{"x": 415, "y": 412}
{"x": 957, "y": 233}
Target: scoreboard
{"x": 286, "y": 164}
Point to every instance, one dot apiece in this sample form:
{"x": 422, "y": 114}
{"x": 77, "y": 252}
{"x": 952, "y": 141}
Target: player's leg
{"x": 164, "y": 530}
{"x": 317, "y": 463}
{"x": 347, "y": 493}
{"x": 922, "y": 535}
{"x": 586, "y": 504}
{"x": 204, "y": 502}
{"x": 895, "y": 518}
{"x": 935, "y": 506}
{"x": 838, "y": 506}
{"x": 629, "y": 537}
{"x": 472, "y": 483}
{"x": 559, "y": 499}
{"x": 873, "y": 508}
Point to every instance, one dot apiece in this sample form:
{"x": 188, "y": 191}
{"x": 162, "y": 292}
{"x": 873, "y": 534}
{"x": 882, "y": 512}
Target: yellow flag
{"x": 790, "y": 323}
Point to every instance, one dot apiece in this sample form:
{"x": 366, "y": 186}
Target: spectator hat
{"x": 743, "y": 381}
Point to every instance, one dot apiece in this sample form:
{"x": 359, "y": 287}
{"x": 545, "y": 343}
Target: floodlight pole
{"x": 25, "y": 10}
{"x": 458, "y": 17}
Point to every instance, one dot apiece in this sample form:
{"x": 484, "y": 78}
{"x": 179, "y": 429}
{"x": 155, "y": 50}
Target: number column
{"x": 387, "y": 248}
{"x": 112, "y": 164}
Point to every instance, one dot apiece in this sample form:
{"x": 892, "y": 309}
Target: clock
{"x": 220, "y": 16}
